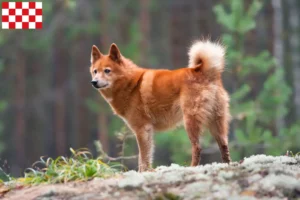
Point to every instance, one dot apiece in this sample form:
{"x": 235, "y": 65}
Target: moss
{"x": 167, "y": 196}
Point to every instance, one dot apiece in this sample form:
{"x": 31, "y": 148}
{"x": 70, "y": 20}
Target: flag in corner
{"x": 22, "y": 15}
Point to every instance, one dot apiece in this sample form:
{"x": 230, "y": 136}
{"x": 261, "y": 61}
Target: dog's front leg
{"x": 144, "y": 137}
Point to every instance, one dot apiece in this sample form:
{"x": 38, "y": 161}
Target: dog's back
{"x": 197, "y": 90}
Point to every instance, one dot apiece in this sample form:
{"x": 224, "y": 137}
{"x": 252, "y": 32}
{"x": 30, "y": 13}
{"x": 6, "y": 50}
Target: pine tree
{"x": 260, "y": 93}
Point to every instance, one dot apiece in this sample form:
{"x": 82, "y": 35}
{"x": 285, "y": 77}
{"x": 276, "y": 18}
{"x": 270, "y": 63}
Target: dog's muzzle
{"x": 99, "y": 84}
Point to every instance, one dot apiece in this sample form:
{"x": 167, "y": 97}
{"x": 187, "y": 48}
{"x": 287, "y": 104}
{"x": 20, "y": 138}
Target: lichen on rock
{"x": 256, "y": 177}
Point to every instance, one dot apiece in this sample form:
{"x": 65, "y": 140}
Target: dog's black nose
{"x": 94, "y": 83}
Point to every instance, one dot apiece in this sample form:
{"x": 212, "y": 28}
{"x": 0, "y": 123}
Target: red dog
{"x": 151, "y": 100}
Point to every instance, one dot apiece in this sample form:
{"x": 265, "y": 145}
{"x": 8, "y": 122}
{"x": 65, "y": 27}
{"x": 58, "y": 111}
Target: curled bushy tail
{"x": 209, "y": 57}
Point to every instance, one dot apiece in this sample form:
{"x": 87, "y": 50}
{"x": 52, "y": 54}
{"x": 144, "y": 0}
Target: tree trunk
{"x": 278, "y": 48}
{"x": 144, "y": 29}
{"x": 20, "y": 123}
{"x": 82, "y": 77}
{"x": 289, "y": 77}
{"x": 60, "y": 51}
{"x": 102, "y": 117}
{"x": 294, "y": 51}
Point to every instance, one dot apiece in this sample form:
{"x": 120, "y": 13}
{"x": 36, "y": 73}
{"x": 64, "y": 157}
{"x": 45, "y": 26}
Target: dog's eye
{"x": 95, "y": 71}
{"x": 106, "y": 71}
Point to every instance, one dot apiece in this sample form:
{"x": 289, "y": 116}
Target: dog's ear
{"x": 95, "y": 54}
{"x": 114, "y": 53}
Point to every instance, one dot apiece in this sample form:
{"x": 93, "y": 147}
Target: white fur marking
{"x": 209, "y": 52}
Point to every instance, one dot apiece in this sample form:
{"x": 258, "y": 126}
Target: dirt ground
{"x": 256, "y": 177}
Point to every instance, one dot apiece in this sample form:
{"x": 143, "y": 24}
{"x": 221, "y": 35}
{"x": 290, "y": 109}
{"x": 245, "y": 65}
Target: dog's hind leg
{"x": 219, "y": 129}
{"x": 193, "y": 129}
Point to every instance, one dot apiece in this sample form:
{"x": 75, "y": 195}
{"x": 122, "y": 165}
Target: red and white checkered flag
{"x": 22, "y": 15}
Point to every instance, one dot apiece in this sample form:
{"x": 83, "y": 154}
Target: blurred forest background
{"x": 48, "y": 105}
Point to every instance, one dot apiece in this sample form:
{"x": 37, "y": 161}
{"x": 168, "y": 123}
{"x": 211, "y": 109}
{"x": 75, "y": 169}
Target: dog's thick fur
{"x": 154, "y": 100}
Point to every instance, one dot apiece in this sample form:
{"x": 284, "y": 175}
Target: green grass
{"x": 291, "y": 154}
{"x": 81, "y": 166}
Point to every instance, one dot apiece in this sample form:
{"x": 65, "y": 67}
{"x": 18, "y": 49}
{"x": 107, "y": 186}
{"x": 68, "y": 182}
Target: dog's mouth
{"x": 101, "y": 86}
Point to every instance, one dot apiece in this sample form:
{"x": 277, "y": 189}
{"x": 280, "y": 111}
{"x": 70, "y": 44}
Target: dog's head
{"x": 105, "y": 69}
